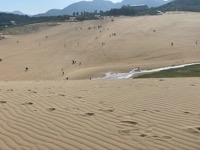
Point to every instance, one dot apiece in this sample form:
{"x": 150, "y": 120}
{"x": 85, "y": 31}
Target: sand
{"x": 123, "y": 114}
{"x": 40, "y": 109}
{"x": 50, "y": 50}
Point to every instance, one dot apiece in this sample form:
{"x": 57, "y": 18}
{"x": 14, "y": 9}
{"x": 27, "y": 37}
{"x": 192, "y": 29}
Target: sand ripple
{"x": 128, "y": 115}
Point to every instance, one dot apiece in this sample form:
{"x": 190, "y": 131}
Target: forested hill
{"x": 181, "y": 5}
{"x": 176, "y": 5}
{"x": 5, "y": 19}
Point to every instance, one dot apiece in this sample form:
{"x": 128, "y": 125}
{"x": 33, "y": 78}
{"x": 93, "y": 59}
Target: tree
{"x": 74, "y": 14}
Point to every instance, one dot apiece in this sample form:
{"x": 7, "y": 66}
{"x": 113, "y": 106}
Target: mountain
{"x": 17, "y": 12}
{"x": 182, "y": 5}
{"x": 91, "y": 6}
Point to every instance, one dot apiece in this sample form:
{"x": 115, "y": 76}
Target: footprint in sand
{"x": 51, "y": 109}
{"x": 186, "y": 112}
{"x": 79, "y": 97}
{"x": 89, "y": 114}
{"x": 165, "y": 137}
{"x": 128, "y": 122}
{"x": 143, "y": 135}
{"x": 85, "y": 114}
{"x": 193, "y": 130}
{"x": 28, "y": 103}
{"x": 10, "y": 90}
{"x": 124, "y": 132}
{"x": 3, "y": 102}
{"x": 128, "y": 132}
{"x": 107, "y": 110}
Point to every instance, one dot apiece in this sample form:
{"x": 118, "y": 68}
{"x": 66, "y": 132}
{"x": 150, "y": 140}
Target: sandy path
{"x": 126, "y": 114}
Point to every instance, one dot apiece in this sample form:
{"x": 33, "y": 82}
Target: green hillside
{"x": 181, "y": 5}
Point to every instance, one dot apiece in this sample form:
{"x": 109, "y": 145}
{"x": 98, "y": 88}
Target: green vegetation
{"x": 86, "y": 16}
{"x": 188, "y": 71}
{"x": 130, "y": 11}
{"x": 5, "y": 20}
{"x": 24, "y": 29}
{"x": 181, "y": 5}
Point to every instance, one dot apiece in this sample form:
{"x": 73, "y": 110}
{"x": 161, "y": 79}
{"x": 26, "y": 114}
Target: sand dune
{"x": 134, "y": 44}
{"x": 90, "y": 115}
{"x": 41, "y": 110}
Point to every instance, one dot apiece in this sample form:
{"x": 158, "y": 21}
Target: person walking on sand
{"x": 26, "y": 69}
{"x": 62, "y": 72}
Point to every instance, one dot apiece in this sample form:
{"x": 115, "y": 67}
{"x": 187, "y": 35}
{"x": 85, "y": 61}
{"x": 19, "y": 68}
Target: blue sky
{"x": 32, "y": 7}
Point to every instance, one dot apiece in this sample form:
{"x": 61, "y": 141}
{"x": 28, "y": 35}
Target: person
{"x": 26, "y": 69}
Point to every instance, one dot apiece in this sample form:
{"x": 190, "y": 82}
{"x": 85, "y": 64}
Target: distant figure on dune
{"x": 26, "y": 69}
{"x": 63, "y": 73}
{"x": 67, "y": 78}
{"x": 196, "y": 42}
{"x": 73, "y": 62}
{"x": 172, "y": 44}
{"x": 0, "y": 60}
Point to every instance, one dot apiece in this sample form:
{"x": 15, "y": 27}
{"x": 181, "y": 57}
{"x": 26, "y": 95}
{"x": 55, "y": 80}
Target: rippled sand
{"x": 40, "y": 109}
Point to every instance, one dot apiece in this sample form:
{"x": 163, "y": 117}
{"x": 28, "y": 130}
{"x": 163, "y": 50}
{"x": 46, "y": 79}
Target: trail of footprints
{"x": 132, "y": 129}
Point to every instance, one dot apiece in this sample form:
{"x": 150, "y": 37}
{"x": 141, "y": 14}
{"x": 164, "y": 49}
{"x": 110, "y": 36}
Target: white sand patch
{"x": 115, "y": 76}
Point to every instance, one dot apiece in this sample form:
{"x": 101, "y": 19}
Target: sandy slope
{"x": 117, "y": 115}
{"x": 135, "y": 44}
{"x": 39, "y": 109}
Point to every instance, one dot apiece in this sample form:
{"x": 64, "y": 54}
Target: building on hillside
{"x": 7, "y": 24}
{"x": 13, "y": 22}
{"x": 72, "y": 19}
{"x": 159, "y": 12}
{"x": 98, "y": 16}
